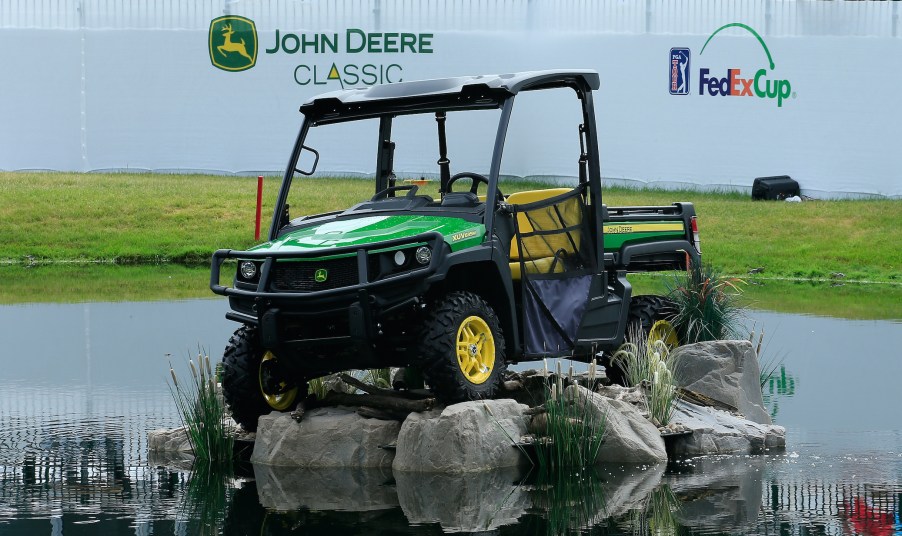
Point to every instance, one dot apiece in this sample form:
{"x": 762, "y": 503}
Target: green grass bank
{"x": 154, "y": 218}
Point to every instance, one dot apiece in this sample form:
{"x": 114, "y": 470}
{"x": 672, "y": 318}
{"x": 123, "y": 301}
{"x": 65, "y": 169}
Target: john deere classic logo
{"x": 321, "y": 275}
{"x": 233, "y": 43}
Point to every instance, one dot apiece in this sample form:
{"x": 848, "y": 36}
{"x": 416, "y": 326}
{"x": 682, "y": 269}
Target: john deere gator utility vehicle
{"x": 457, "y": 285}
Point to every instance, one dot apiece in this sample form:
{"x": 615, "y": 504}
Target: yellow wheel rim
{"x": 475, "y": 349}
{"x": 663, "y": 331}
{"x": 280, "y": 401}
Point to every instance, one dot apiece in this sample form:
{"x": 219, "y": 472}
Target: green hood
{"x": 458, "y": 233}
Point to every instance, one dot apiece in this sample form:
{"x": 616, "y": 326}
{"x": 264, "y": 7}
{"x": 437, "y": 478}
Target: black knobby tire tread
{"x": 648, "y": 309}
{"x": 240, "y": 379}
{"x": 438, "y": 348}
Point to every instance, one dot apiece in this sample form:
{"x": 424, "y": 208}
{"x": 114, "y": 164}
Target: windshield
{"x": 346, "y": 166}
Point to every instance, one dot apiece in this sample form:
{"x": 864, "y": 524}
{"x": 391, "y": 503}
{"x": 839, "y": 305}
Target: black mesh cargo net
{"x": 554, "y": 249}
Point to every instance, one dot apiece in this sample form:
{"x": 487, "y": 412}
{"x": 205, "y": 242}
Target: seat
{"x": 541, "y": 260}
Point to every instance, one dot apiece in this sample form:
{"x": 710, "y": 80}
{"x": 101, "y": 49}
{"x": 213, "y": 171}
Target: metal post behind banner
{"x": 259, "y": 207}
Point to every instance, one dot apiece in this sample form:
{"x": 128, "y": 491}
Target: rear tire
{"x": 647, "y": 314}
{"x": 462, "y": 349}
{"x": 646, "y": 311}
{"x": 244, "y": 376}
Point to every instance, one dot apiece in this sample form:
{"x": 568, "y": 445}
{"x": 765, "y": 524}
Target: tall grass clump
{"x": 321, "y": 386}
{"x": 648, "y": 363}
{"x": 767, "y": 363}
{"x": 574, "y": 429}
{"x": 318, "y": 387}
{"x": 205, "y": 501}
{"x": 707, "y": 304}
{"x": 203, "y": 412}
{"x": 572, "y": 503}
{"x": 658, "y": 517}
{"x": 378, "y": 377}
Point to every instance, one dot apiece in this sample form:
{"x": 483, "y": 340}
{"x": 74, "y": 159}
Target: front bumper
{"x": 294, "y": 314}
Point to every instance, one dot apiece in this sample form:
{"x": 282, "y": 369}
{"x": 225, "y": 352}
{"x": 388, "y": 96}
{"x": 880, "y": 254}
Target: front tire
{"x": 462, "y": 348}
{"x": 252, "y": 383}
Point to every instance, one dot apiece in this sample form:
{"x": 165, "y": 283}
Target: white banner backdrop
{"x": 95, "y": 99}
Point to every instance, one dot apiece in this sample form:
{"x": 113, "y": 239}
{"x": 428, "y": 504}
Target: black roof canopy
{"x": 423, "y": 96}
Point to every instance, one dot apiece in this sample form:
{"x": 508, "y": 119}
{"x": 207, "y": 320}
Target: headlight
{"x": 400, "y": 258}
{"x": 423, "y": 255}
{"x": 247, "y": 269}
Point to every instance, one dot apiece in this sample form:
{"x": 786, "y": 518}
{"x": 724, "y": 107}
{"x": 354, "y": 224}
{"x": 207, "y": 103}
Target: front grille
{"x": 300, "y": 276}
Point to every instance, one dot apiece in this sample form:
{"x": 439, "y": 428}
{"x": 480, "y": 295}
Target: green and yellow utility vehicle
{"x": 457, "y": 285}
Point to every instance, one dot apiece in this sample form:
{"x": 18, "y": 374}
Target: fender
{"x": 665, "y": 247}
{"x": 489, "y": 265}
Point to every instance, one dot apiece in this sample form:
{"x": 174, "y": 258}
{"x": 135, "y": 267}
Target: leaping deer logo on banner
{"x": 233, "y": 43}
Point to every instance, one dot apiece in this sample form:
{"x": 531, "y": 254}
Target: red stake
{"x": 259, "y": 206}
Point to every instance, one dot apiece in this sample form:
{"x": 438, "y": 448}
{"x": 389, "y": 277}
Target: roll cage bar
{"x": 440, "y": 96}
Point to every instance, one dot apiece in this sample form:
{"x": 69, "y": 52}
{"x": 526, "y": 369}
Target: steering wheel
{"x": 476, "y": 178}
{"x": 384, "y": 193}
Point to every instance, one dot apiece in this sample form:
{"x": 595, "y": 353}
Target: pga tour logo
{"x": 679, "y": 71}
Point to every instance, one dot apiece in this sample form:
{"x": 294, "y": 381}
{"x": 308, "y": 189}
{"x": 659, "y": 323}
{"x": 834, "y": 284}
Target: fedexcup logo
{"x": 763, "y": 85}
{"x": 233, "y": 43}
{"x": 321, "y": 275}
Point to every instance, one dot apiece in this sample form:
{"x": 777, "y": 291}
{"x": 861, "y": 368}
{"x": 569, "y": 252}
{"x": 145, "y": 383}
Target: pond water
{"x": 82, "y": 384}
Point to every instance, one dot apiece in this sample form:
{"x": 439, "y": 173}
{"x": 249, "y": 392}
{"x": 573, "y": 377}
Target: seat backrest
{"x": 460, "y": 199}
{"x": 522, "y": 198}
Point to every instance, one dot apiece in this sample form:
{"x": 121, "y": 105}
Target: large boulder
{"x": 166, "y": 441}
{"x": 716, "y": 431}
{"x": 326, "y": 437}
{"x": 462, "y": 438}
{"x": 170, "y": 448}
{"x": 629, "y": 436}
{"x": 289, "y": 489}
{"x": 726, "y": 371}
{"x": 463, "y": 502}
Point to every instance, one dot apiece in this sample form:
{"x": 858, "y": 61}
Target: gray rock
{"x": 629, "y": 436}
{"x": 630, "y": 395}
{"x": 169, "y": 441}
{"x": 463, "y": 502}
{"x": 462, "y": 438}
{"x": 288, "y": 489}
{"x": 716, "y": 431}
{"x": 183, "y": 461}
{"x": 726, "y": 371}
{"x": 326, "y": 437}
{"x": 720, "y": 494}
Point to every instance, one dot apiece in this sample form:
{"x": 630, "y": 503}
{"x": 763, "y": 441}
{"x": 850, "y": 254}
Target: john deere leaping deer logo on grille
{"x": 321, "y": 275}
{"x": 233, "y": 43}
